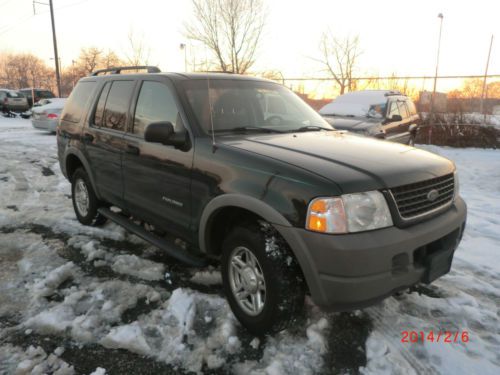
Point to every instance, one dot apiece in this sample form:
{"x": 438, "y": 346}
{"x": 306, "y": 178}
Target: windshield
{"x": 244, "y": 105}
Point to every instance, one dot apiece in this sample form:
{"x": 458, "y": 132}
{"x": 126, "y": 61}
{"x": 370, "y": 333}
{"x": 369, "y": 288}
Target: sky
{"x": 398, "y": 37}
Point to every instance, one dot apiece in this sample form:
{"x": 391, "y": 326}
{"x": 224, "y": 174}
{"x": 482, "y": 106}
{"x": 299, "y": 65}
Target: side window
{"x": 99, "y": 112}
{"x": 403, "y": 110}
{"x": 155, "y": 103}
{"x": 393, "y": 109}
{"x": 75, "y": 105}
{"x": 411, "y": 107}
{"x": 116, "y": 107}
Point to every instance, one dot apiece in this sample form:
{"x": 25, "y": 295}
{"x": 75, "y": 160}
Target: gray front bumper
{"x": 346, "y": 272}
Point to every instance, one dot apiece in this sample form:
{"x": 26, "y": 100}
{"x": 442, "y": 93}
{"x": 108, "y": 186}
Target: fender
{"x": 280, "y": 223}
{"x": 237, "y": 200}
{"x": 76, "y": 152}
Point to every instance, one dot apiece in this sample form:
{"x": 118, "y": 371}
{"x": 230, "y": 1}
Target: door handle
{"x": 87, "y": 138}
{"x": 133, "y": 150}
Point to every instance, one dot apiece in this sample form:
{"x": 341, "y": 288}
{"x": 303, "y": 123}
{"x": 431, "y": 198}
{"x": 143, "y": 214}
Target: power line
{"x": 8, "y": 28}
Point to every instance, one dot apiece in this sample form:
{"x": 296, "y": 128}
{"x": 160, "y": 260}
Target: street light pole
{"x": 431, "y": 112}
{"x": 183, "y": 47}
{"x": 56, "y": 57}
{"x": 484, "y": 81}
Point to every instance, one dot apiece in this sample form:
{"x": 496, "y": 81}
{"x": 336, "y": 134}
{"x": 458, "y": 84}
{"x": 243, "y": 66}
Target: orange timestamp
{"x": 446, "y": 337}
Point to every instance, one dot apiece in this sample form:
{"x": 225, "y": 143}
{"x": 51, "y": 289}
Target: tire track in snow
{"x": 392, "y": 338}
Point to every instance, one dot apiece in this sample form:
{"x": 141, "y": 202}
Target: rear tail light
{"x": 51, "y": 116}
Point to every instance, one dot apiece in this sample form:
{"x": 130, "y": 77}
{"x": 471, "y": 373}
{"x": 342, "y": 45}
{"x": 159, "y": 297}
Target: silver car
{"x": 11, "y": 100}
{"x": 46, "y": 116}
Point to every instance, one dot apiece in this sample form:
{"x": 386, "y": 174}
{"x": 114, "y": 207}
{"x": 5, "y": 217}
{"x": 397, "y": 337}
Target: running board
{"x": 170, "y": 249}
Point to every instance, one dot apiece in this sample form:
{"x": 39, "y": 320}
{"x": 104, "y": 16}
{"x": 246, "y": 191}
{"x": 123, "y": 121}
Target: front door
{"x": 157, "y": 178}
{"x": 393, "y": 128}
{"x": 103, "y": 138}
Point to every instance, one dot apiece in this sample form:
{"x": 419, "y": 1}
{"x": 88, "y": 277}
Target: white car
{"x": 46, "y": 116}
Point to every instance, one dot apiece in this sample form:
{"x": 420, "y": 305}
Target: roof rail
{"x": 393, "y": 92}
{"x": 118, "y": 69}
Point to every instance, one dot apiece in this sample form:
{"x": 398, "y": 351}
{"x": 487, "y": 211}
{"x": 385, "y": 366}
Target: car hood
{"x": 352, "y": 162}
{"x": 352, "y": 123}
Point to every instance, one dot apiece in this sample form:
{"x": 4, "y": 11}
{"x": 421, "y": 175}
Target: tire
{"x": 86, "y": 206}
{"x": 411, "y": 141}
{"x": 274, "y": 278}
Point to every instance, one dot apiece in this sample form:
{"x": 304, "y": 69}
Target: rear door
{"x": 103, "y": 138}
{"x": 158, "y": 177}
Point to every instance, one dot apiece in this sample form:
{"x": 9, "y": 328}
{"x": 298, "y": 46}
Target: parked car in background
{"x": 11, "y": 100}
{"x": 46, "y": 117}
{"x": 376, "y": 113}
{"x": 39, "y": 94}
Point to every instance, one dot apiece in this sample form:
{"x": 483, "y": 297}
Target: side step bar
{"x": 170, "y": 249}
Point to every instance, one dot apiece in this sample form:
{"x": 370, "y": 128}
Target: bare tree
{"x": 340, "y": 57}
{"x": 24, "y": 70}
{"x": 89, "y": 60}
{"x": 138, "y": 52}
{"x": 230, "y": 29}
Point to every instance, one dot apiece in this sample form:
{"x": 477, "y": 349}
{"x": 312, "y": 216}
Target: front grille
{"x": 412, "y": 200}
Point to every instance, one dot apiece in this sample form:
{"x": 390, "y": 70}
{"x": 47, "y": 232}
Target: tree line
{"x": 230, "y": 31}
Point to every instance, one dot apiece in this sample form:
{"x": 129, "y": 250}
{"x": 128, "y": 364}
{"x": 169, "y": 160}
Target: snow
{"x": 207, "y": 277}
{"x": 34, "y": 360}
{"x": 105, "y": 287}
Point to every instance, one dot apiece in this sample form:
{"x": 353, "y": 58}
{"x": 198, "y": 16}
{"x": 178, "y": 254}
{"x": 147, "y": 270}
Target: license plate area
{"x": 436, "y": 257}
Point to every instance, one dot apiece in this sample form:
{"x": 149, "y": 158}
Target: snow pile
{"x": 86, "y": 313}
{"x": 141, "y": 268}
{"x": 286, "y": 353}
{"x": 34, "y": 360}
{"x": 53, "y": 279}
{"x": 177, "y": 332}
{"x": 207, "y": 277}
{"x": 99, "y": 371}
{"x": 125, "y": 264}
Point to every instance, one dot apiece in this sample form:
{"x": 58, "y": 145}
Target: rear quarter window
{"x": 77, "y": 101}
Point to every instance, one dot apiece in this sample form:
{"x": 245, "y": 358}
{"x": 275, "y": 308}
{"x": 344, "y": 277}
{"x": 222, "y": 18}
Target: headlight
{"x": 349, "y": 213}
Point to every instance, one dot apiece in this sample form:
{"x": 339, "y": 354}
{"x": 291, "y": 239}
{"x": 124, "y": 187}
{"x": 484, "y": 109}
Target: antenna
{"x": 211, "y": 116}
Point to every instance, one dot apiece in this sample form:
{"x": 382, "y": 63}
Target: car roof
{"x": 358, "y": 102}
{"x": 185, "y": 76}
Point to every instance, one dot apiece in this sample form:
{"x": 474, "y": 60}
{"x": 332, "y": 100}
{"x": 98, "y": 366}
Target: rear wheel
{"x": 85, "y": 202}
{"x": 261, "y": 279}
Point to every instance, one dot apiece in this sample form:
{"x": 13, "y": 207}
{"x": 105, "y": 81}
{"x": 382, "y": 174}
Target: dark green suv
{"x": 288, "y": 207}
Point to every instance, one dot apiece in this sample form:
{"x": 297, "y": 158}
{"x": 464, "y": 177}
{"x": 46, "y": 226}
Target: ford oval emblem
{"x": 433, "y": 195}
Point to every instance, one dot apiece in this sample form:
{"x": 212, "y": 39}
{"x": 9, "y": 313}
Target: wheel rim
{"x": 247, "y": 281}
{"x": 81, "y": 197}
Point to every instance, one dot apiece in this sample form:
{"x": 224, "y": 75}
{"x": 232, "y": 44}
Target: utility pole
{"x": 431, "y": 112}
{"x": 483, "y": 92}
{"x": 56, "y": 55}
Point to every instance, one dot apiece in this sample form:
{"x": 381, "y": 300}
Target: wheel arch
{"x": 75, "y": 159}
{"x": 234, "y": 205}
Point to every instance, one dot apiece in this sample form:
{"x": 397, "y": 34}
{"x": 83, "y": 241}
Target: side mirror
{"x": 163, "y": 132}
{"x": 395, "y": 118}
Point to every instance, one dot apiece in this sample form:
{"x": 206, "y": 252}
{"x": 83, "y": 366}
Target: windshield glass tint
{"x": 237, "y": 104}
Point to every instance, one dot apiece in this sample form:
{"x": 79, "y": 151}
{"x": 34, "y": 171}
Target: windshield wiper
{"x": 310, "y": 128}
{"x": 243, "y": 129}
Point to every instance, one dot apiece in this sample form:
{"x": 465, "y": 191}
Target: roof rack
{"x": 118, "y": 69}
{"x": 393, "y": 92}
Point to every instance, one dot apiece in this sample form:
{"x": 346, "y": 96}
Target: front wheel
{"x": 261, "y": 279}
{"x": 85, "y": 202}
